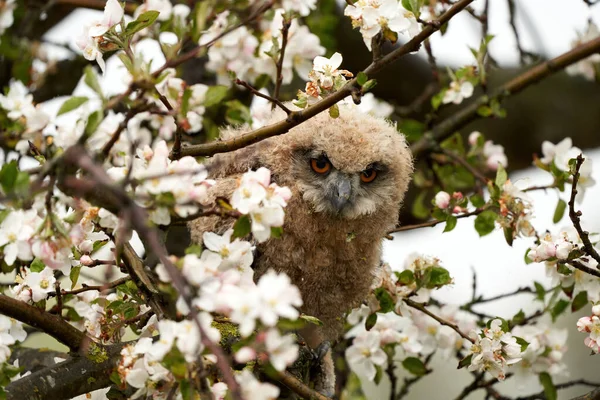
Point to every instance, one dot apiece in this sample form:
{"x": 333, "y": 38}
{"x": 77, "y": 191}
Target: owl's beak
{"x": 343, "y": 190}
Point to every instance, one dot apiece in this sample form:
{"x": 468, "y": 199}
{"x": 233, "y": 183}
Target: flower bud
{"x": 473, "y": 137}
{"x": 86, "y": 260}
{"x": 442, "y": 200}
{"x": 245, "y": 354}
{"x": 596, "y": 309}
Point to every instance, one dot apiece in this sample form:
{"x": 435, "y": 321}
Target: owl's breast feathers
{"x": 331, "y": 260}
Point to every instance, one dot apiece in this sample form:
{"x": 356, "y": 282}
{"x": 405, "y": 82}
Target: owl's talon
{"x": 321, "y": 350}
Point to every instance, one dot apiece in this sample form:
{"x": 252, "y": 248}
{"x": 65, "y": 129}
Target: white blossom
{"x": 365, "y": 353}
{"x": 494, "y": 154}
{"x": 253, "y": 389}
{"x": 373, "y": 16}
{"x": 6, "y": 14}
{"x": 458, "y": 91}
{"x": 283, "y": 350}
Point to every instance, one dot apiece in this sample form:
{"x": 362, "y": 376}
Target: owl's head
{"x": 348, "y": 167}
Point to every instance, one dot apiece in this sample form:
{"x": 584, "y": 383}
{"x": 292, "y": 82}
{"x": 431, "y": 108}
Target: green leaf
{"x": 477, "y": 200}
{"x": 414, "y": 366}
{"x": 549, "y": 388}
{"x": 74, "y": 276}
{"x": 407, "y": 4}
{"x": 465, "y": 362}
{"x": 242, "y": 227}
{"x": 143, "y": 21}
{"x": 406, "y": 277}
{"x": 214, "y": 95}
{"x": 484, "y": 111}
{"x": 194, "y": 249}
{"x": 368, "y": 85}
{"x": 334, "y": 111}
{"x": 371, "y": 321}
{"x": 8, "y": 176}
{"x": 501, "y": 176}
{"x": 91, "y": 80}
{"x": 485, "y": 222}
{"x": 559, "y": 308}
{"x": 559, "y": 212}
{"x": 518, "y": 318}
{"x": 71, "y": 104}
{"x": 37, "y": 265}
{"x": 526, "y": 258}
{"x": 93, "y": 122}
{"x": 438, "y": 278}
{"x": 378, "y": 374}
{"x": 411, "y": 128}
{"x": 386, "y": 302}
{"x": 579, "y": 301}
{"x": 522, "y": 342}
{"x": 311, "y": 320}
{"x": 362, "y": 78}
{"x": 450, "y": 223}
{"x": 418, "y": 208}
{"x": 276, "y": 232}
{"x": 540, "y": 291}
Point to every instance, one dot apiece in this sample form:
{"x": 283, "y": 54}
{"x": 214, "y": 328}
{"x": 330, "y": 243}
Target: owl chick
{"x": 348, "y": 177}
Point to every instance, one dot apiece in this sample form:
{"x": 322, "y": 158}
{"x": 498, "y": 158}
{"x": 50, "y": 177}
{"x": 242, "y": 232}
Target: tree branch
{"x": 40, "y": 319}
{"x": 297, "y": 117}
{"x": 575, "y": 215}
{"x": 469, "y": 113}
{"x": 298, "y": 387}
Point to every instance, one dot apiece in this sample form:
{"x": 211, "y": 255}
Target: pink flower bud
{"x": 442, "y": 200}
{"x": 86, "y": 260}
{"x": 457, "y": 196}
{"x": 473, "y": 137}
{"x": 583, "y": 325}
{"x": 458, "y": 210}
{"x": 245, "y": 354}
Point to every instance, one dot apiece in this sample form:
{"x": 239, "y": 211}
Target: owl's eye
{"x": 368, "y": 175}
{"x": 320, "y": 165}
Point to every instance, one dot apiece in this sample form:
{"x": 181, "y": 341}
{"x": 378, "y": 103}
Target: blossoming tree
{"x": 77, "y": 184}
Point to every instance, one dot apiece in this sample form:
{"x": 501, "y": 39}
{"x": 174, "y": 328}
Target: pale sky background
{"x": 546, "y": 27}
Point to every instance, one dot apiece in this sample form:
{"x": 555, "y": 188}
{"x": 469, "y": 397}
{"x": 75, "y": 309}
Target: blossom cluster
{"x": 11, "y": 332}
{"x": 162, "y": 184}
{"x": 262, "y": 200}
{"x": 591, "y": 325}
{"x": 386, "y": 16}
{"x": 491, "y": 153}
{"x": 556, "y": 159}
{"x": 545, "y": 352}
{"x": 556, "y": 251}
{"x": 249, "y": 56}
{"x": 494, "y": 349}
{"x": 92, "y": 41}
{"x": 19, "y": 107}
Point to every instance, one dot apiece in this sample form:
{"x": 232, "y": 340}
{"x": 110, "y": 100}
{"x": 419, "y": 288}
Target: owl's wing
{"x": 226, "y": 169}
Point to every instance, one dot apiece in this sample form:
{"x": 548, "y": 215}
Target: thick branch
{"x": 38, "y": 318}
{"x": 533, "y": 75}
{"x": 297, "y": 117}
{"x": 298, "y": 387}
{"x": 70, "y": 378}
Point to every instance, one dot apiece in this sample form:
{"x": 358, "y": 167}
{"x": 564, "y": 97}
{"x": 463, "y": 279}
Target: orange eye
{"x": 320, "y": 165}
{"x": 368, "y": 175}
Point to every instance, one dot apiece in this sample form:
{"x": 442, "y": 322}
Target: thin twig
{"x": 285, "y": 30}
{"x": 100, "y": 288}
{"x": 424, "y": 310}
{"x": 576, "y": 264}
{"x": 435, "y": 222}
{"x": 575, "y": 215}
{"x": 255, "y": 92}
{"x": 460, "y": 160}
